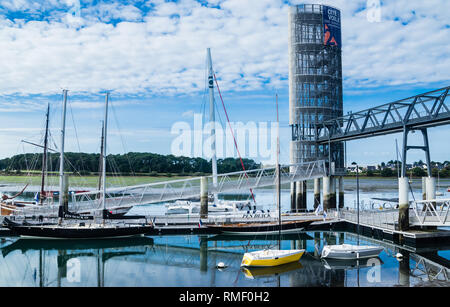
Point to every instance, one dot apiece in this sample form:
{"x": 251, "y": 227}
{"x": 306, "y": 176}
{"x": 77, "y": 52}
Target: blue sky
{"x": 151, "y": 55}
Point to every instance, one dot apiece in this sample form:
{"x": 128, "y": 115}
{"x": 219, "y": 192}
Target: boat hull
{"x": 351, "y": 254}
{"x": 82, "y": 232}
{"x": 262, "y": 229}
{"x": 290, "y": 256}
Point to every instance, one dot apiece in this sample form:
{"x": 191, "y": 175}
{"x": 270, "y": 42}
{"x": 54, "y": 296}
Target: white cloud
{"x": 162, "y": 51}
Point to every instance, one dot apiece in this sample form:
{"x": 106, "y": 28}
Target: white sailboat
{"x": 348, "y": 251}
{"x": 216, "y": 205}
{"x": 273, "y": 257}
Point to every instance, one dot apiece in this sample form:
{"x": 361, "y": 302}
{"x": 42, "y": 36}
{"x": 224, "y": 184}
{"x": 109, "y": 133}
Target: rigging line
{"x": 76, "y": 136}
{"x": 232, "y": 133}
{"x": 121, "y": 137}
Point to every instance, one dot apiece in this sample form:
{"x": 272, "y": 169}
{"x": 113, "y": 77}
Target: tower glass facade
{"x": 315, "y": 80}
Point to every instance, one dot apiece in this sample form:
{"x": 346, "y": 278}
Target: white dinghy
{"x": 349, "y": 252}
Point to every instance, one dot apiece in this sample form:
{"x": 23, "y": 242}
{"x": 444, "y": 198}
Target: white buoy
{"x": 221, "y": 265}
{"x": 399, "y": 256}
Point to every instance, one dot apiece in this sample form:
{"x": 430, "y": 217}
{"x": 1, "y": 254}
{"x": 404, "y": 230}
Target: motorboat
{"x": 221, "y": 206}
{"x": 348, "y": 251}
{"x": 270, "y": 258}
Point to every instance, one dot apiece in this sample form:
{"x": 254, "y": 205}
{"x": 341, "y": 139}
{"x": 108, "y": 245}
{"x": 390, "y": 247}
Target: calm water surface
{"x": 178, "y": 261}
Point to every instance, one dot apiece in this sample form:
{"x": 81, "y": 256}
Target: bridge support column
{"x": 424, "y": 188}
{"x": 316, "y": 192}
{"x": 203, "y": 197}
{"x": 333, "y": 202}
{"x": 301, "y": 193}
{"x": 403, "y": 201}
{"x": 431, "y": 189}
{"x": 293, "y": 197}
{"x": 326, "y": 193}
{"x": 341, "y": 192}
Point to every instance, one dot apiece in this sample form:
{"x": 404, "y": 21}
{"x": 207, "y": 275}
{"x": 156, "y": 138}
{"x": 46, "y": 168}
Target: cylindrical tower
{"x": 315, "y": 80}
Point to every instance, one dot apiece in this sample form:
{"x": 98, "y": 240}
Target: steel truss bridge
{"x": 418, "y": 112}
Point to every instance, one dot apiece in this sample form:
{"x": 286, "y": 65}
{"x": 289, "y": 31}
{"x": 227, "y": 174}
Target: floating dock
{"x": 189, "y": 225}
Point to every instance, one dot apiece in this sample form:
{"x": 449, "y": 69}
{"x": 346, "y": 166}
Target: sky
{"x": 151, "y": 57}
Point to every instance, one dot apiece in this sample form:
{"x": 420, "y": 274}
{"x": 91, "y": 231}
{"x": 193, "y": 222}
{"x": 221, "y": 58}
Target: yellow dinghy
{"x": 271, "y": 257}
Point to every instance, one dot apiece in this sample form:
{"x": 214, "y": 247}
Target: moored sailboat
{"x": 273, "y": 257}
{"x": 72, "y": 225}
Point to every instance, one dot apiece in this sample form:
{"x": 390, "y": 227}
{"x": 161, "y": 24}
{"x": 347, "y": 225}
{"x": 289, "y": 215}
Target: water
{"x": 179, "y": 261}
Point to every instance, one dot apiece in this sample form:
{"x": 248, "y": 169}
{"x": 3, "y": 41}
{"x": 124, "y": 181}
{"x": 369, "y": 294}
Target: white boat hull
{"x": 349, "y": 252}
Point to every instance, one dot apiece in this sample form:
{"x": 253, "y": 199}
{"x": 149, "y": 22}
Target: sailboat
{"x": 273, "y": 257}
{"x": 215, "y": 206}
{"x": 72, "y": 225}
{"x": 8, "y": 206}
{"x": 348, "y": 251}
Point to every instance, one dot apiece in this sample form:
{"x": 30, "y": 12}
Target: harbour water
{"x": 191, "y": 260}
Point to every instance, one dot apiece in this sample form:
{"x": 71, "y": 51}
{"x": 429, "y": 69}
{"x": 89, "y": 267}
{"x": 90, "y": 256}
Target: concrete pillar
{"x": 316, "y": 193}
{"x": 293, "y": 197}
{"x": 203, "y": 197}
{"x": 431, "y": 188}
{"x": 326, "y": 193}
{"x": 333, "y": 202}
{"x": 301, "y": 196}
{"x": 341, "y": 192}
{"x": 424, "y": 188}
{"x": 403, "y": 202}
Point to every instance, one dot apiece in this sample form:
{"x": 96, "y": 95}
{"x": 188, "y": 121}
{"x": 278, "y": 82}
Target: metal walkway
{"x": 418, "y": 112}
{"x": 433, "y": 212}
{"x": 188, "y": 188}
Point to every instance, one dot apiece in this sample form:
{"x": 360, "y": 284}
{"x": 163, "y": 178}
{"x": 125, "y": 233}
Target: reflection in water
{"x": 189, "y": 260}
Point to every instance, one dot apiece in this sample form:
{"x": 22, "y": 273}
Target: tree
{"x": 418, "y": 172}
{"x": 387, "y": 172}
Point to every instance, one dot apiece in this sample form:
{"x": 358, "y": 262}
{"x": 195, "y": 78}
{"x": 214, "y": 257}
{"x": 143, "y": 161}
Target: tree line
{"x": 125, "y": 164}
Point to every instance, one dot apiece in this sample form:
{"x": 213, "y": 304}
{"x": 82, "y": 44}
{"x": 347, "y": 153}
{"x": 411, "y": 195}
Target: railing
{"x": 385, "y": 219}
{"x": 186, "y": 188}
{"x": 433, "y": 212}
{"x": 425, "y": 110}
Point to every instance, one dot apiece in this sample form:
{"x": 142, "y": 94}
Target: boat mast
{"x": 61, "y": 159}
{"x": 278, "y": 176}
{"x": 100, "y": 167}
{"x": 44, "y": 157}
{"x": 212, "y": 120}
{"x": 105, "y": 125}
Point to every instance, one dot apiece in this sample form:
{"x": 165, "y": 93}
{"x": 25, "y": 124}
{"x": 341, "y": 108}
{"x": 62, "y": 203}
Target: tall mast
{"x": 212, "y": 119}
{"x": 105, "y": 129}
{"x": 278, "y": 176}
{"x": 44, "y": 157}
{"x": 61, "y": 159}
{"x": 100, "y": 167}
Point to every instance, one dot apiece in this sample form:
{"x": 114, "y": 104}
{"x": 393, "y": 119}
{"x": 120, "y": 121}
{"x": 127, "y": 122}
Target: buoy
{"x": 399, "y": 256}
{"x": 221, "y": 265}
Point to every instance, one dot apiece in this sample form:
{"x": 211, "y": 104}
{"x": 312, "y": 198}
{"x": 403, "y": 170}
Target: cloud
{"x": 159, "y": 48}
